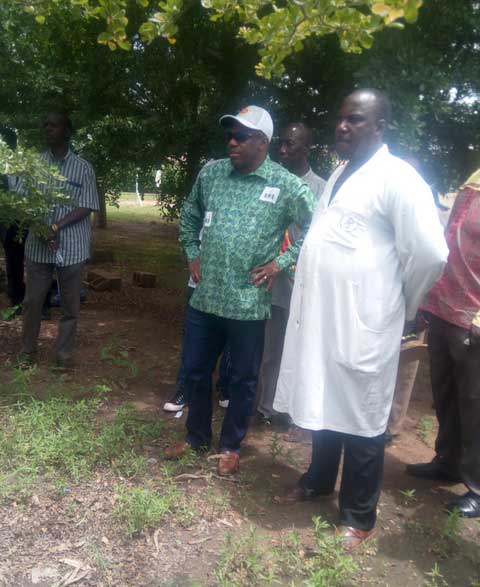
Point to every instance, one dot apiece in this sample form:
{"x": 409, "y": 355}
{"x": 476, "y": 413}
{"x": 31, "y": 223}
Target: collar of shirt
{"x": 262, "y": 170}
{"x": 374, "y": 160}
{"x": 305, "y": 176}
{"x": 52, "y": 159}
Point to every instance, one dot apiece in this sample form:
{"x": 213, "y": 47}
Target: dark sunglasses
{"x": 238, "y": 136}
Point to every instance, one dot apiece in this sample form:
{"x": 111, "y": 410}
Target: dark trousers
{"x": 223, "y": 382}
{"x": 14, "y": 257}
{"x": 205, "y": 338}
{"x": 275, "y": 330}
{"x": 362, "y": 474}
{"x": 39, "y": 281}
{"x": 455, "y": 375}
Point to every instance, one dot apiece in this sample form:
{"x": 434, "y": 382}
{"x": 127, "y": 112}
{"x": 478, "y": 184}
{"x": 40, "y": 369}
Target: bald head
{"x": 364, "y": 115}
{"x": 296, "y": 140}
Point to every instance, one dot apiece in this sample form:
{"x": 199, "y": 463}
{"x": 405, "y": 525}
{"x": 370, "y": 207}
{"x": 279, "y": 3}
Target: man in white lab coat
{"x": 374, "y": 248}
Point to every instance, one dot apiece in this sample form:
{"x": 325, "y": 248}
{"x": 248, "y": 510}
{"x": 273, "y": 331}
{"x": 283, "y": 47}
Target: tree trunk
{"x": 101, "y": 215}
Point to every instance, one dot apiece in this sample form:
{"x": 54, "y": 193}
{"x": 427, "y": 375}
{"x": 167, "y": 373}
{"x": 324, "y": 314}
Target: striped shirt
{"x": 73, "y": 239}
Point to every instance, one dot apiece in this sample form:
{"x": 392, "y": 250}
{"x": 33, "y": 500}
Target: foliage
{"x": 278, "y": 29}
{"x": 172, "y": 188}
{"x": 43, "y": 188}
{"x": 136, "y": 111}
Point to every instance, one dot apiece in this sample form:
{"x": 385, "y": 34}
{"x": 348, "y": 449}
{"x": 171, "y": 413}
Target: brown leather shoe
{"x": 353, "y": 538}
{"x": 177, "y": 450}
{"x": 228, "y": 463}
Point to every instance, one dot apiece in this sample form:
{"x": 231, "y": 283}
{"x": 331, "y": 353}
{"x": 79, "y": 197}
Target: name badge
{"x": 208, "y": 219}
{"x": 270, "y": 195}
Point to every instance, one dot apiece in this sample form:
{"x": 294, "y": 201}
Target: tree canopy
{"x": 159, "y": 103}
{"x": 277, "y": 28}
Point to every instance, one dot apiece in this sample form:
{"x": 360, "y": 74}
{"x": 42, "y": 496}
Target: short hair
{"x": 383, "y": 107}
{"x": 307, "y": 132}
{"x": 67, "y": 121}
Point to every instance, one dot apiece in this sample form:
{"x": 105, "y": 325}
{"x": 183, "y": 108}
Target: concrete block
{"x": 100, "y": 280}
{"x": 144, "y": 279}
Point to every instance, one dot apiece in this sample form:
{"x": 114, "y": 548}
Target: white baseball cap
{"x": 252, "y": 117}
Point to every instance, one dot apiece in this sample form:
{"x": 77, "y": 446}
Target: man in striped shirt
{"x": 67, "y": 247}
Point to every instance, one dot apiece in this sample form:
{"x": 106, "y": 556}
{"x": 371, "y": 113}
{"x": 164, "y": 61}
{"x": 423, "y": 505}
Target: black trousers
{"x": 362, "y": 474}
{"x": 455, "y": 375}
{"x": 14, "y": 263}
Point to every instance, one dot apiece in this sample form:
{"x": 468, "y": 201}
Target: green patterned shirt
{"x": 244, "y": 218}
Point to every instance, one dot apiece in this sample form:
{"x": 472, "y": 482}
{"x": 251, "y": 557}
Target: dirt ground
{"x": 51, "y": 540}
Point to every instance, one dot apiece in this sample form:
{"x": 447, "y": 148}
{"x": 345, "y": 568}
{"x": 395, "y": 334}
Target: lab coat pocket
{"x": 345, "y": 228}
{"x": 359, "y": 347}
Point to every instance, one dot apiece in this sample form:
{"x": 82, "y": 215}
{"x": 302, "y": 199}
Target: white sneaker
{"x": 176, "y": 403}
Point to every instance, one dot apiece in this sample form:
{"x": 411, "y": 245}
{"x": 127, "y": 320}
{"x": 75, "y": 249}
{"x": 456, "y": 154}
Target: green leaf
{"x": 104, "y": 37}
{"x": 411, "y": 11}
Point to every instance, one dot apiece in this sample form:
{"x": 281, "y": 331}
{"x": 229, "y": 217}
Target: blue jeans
{"x": 224, "y": 375}
{"x": 205, "y": 337}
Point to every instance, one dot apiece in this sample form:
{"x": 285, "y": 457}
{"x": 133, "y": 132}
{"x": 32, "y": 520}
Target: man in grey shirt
{"x": 67, "y": 247}
{"x": 296, "y": 140}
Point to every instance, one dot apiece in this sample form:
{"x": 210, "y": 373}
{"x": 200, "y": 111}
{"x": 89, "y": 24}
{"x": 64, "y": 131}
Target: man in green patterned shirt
{"x": 243, "y": 206}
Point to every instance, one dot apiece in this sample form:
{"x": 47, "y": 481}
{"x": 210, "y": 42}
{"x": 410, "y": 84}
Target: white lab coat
{"x": 366, "y": 263}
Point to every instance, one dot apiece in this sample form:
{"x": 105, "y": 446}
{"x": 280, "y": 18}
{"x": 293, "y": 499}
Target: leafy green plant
{"x": 42, "y": 189}
{"x": 435, "y": 578}
{"x": 448, "y": 535}
{"x": 10, "y": 313}
{"x": 409, "y": 496}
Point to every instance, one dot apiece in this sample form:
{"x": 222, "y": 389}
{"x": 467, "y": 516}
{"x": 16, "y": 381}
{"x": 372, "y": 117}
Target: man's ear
{"x": 381, "y": 125}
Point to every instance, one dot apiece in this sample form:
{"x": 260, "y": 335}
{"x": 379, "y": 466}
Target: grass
{"x": 448, "y": 535}
{"x": 61, "y": 437}
{"x": 138, "y": 247}
{"x": 116, "y": 354}
{"x": 139, "y": 508}
{"x": 255, "y": 561}
{"x": 425, "y": 428}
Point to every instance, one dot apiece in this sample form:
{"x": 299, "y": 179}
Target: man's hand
{"x": 52, "y": 240}
{"x": 474, "y": 334}
{"x": 265, "y": 274}
{"x": 194, "y": 268}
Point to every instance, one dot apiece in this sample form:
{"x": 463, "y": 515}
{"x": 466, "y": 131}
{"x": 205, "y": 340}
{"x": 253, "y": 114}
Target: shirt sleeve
{"x": 419, "y": 238}
{"x": 191, "y": 221}
{"x": 300, "y": 210}
{"x": 89, "y": 195}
